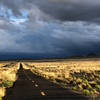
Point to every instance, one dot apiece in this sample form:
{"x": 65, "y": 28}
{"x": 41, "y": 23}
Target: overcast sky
{"x": 69, "y": 27}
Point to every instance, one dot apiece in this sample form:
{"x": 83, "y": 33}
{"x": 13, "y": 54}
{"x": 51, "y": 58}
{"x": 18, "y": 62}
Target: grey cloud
{"x": 71, "y": 10}
{"x": 15, "y": 5}
{"x": 49, "y": 37}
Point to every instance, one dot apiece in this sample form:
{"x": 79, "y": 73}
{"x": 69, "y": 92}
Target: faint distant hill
{"x": 89, "y": 55}
{"x": 30, "y": 56}
{"x": 21, "y": 56}
{"x": 93, "y": 55}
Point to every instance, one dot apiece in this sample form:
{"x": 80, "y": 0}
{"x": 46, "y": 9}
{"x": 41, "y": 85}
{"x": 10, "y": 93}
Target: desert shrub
{"x": 79, "y": 80}
{"x": 84, "y": 85}
{"x": 52, "y": 79}
{"x": 80, "y": 87}
{"x": 97, "y": 79}
{"x": 97, "y": 87}
{"x": 89, "y": 86}
{"x": 86, "y": 81}
{"x": 86, "y": 92}
{"x": 93, "y": 83}
{"x": 75, "y": 88}
{"x": 7, "y": 83}
{"x": 94, "y": 91}
{"x": 74, "y": 78}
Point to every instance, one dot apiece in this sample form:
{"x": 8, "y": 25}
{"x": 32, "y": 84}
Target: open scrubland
{"x": 8, "y": 75}
{"x": 81, "y": 75}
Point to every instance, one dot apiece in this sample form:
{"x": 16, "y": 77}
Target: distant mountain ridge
{"x": 11, "y": 56}
{"x": 18, "y": 56}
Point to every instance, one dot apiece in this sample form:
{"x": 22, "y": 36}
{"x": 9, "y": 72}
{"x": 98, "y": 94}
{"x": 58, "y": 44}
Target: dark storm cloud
{"x": 69, "y": 38}
{"x": 64, "y": 10}
{"x": 72, "y": 10}
{"x": 51, "y": 26}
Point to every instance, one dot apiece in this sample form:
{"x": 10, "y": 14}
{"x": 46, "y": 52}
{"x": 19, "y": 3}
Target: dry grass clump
{"x": 2, "y": 91}
{"x": 7, "y": 77}
{"x": 9, "y": 73}
{"x": 4, "y": 64}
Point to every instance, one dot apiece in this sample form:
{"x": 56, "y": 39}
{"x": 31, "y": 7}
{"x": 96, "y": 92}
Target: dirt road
{"x": 32, "y": 87}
